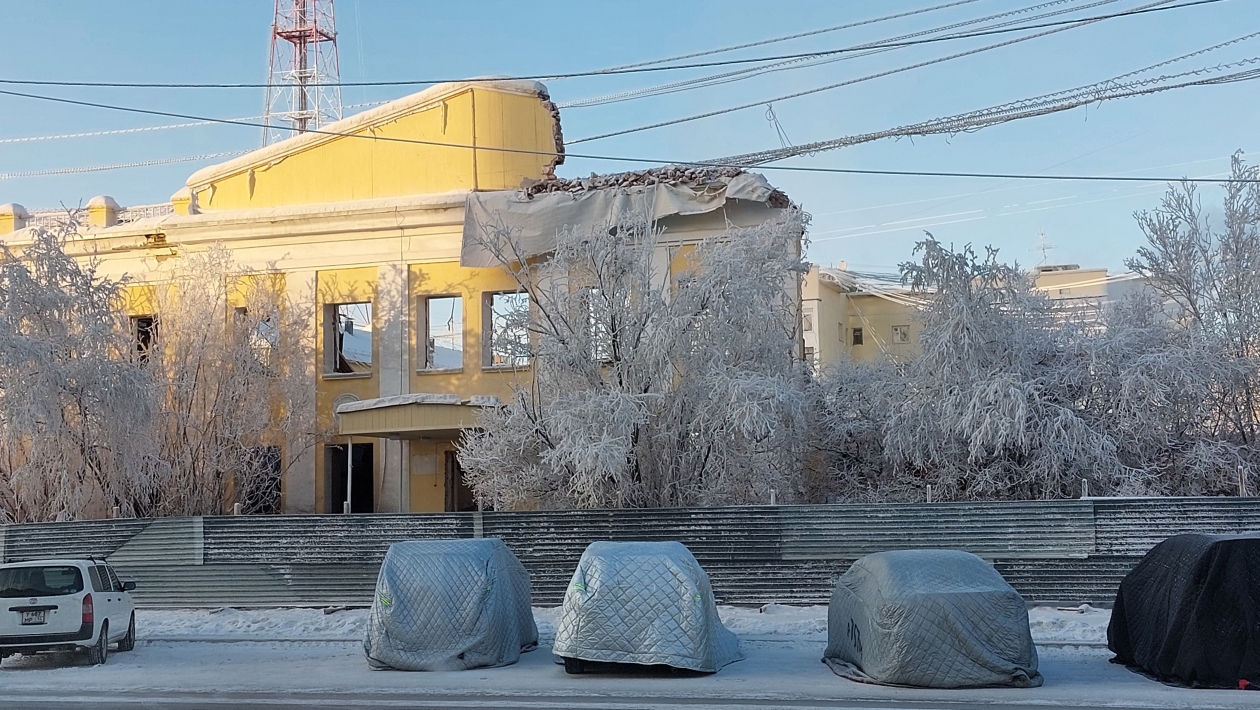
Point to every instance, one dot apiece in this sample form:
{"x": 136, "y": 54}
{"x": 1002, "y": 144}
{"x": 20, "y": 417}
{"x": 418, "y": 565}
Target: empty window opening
{"x": 260, "y": 335}
{"x": 348, "y": 336}
{"x": 857, "y": 336}
{"x": 144, "y": 332}
{"x": 444, "y": 326}
{"x": 507, "y": 334}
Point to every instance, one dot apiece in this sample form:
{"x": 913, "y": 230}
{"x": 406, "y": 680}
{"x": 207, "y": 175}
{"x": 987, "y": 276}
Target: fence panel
{"x": 1068, "y": 551}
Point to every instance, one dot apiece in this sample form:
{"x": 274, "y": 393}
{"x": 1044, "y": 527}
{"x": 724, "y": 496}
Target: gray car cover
{"x": 449, "y": 605}
{"x": 643, "y": 602}
{"x": 929, "y": 618}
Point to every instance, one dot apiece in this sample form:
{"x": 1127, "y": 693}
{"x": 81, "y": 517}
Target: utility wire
{"x": 1239, "y": 76}
{"x": 609, "y": 72}
{"x": 709, "y": 114}
{"x": 119, "y": 166}
{"x": 143, "y": 129}
{"x": 799, "y": 35}
{"x": 1024, "y": 108}
{"x": 875, "y": 47}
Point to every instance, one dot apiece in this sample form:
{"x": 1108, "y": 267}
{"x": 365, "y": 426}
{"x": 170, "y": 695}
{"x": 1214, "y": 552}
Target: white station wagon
{"x": 65, "y": 605}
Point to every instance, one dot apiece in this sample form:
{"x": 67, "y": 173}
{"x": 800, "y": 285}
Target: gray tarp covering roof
{"x": 535, "y": 220}
{"x": 643, "y": 602}
{"x": 929, "y": 618}
{"x": 450, "y": 605}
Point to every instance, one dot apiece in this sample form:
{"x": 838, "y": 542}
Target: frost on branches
{"x": 990, "y": 409}
{"x": 1012, "y": 398}
{"x": 646, "y": 388}
{"x": 74, "y": 409}
{"x": 206, "y": 410}
{"x": 234, "y": 394}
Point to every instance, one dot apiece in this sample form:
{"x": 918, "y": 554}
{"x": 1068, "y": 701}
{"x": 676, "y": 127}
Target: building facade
{"x": 366, "y": 221}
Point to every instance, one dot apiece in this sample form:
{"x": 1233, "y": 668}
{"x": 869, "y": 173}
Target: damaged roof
{"x": 673, "y": 175}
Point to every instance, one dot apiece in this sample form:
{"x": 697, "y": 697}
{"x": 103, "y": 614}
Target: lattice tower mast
{"x": 303, "y": 74}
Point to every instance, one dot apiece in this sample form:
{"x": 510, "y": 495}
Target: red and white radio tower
{"x": 302, "y": 80}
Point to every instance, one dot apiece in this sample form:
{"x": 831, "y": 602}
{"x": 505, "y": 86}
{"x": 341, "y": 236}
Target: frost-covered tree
{"x": 991, "y": 406}
{"x": 234, "y": 395}
{"x": 648, "y": 388}
{"x": 75, "y": 410}
{"x": 1189, "y": 379}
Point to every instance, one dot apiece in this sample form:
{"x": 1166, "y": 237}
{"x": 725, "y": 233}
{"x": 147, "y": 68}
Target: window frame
{"x": 857, "y": 338}
{"x": 488, "y": 332}
{"x": 331, "y": 349}
{"x": 423, "y": 333}
{"x": 901, "y": 335}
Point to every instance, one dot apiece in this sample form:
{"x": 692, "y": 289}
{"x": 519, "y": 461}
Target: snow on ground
{"x": 778, "y": 622}
{"x": 290, "y": 655}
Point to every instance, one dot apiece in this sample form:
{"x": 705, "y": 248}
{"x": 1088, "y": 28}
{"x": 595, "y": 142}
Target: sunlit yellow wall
{"x": 876, "y": 317}
{"x": 451, "y": 279}
{"x": 828, "y": 308}
{"x": 334, "y": 286}
{"x": 340, "y": 169}
{"x": 448, "y": 278}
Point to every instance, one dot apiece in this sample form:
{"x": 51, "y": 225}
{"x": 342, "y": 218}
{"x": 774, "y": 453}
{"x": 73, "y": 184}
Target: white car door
{"x": 122, "y": 599}
{"x": 108, "y": 602}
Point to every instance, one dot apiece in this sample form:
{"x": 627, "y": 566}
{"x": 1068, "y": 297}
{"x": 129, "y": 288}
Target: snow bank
{"x": 250, "y": 624}
{"x": 1083, "y": 624}
{"x": 1066, "y": 624}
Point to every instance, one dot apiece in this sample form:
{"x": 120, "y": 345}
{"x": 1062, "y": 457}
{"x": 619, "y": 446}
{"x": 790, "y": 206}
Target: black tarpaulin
{"x": 1189, "y": 612}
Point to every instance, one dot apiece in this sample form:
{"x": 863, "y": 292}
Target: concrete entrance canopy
{"x": 411, "y": 416}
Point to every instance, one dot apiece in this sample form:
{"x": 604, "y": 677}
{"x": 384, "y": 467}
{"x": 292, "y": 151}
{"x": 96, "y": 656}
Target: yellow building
{"x": 847, "y": 318}
{"x": 368, "y": 224}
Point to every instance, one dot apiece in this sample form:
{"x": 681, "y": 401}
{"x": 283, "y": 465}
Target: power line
{"x": 612, "y": 72}
{"x": 875, "y": 47}
{"x": 1240, "y": 76}
{"x": 119, "y": 166}
{"x": 709, "y": 114}
{"x": 144, "y": 129}
{"x": 798, "y": 35}
{"x": 1024, "y": 108}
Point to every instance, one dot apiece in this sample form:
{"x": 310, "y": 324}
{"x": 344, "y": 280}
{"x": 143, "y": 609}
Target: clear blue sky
{"x": 872, "y": 222}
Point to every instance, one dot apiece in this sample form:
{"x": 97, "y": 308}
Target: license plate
{"x": 33, "y": 617}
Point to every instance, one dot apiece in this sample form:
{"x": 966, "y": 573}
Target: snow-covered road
{"x": 238, "y": 658}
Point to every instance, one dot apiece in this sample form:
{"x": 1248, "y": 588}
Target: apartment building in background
{"x": 848, "y": 316}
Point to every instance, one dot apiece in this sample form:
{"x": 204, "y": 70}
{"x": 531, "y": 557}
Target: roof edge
{"x": 352, "y": 124}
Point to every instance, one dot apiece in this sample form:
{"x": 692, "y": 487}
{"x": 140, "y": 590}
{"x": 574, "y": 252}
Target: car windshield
{"x": 48, "y": 581}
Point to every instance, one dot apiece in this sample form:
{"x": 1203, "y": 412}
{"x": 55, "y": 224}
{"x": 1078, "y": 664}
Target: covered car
{"x": 647, "y": 603}
{"x": 932, "y": 619}
{"x": 1189, "y": 612}
{"x": 449, "y": 605}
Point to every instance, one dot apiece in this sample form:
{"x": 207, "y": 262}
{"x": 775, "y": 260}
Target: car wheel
{"x": 574, "y": 666}
{"x": 99, "y": 651}
{"x": 128, "y": 642}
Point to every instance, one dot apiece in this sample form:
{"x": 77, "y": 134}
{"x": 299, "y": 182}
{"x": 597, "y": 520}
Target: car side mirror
{"x": 128, "y": 586}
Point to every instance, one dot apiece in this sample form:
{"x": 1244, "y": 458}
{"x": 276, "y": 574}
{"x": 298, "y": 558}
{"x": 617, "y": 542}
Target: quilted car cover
{"x": 449, "y": 605}
{"x": 1189, "y": 612}
{"x": 643, "y": 602}
{"x": 929, "y": 618}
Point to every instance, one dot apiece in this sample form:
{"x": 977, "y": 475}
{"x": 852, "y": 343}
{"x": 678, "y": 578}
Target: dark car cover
{"x": 1189, "y": 612}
